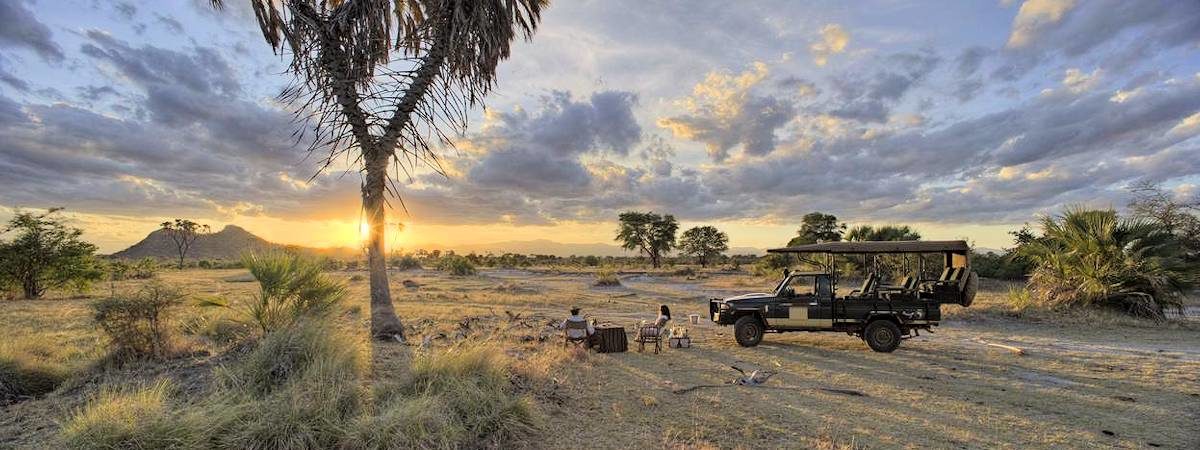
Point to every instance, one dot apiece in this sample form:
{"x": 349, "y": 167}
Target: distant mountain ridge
{"x": 229, "y": 243}
{"x": 232, "y": 241}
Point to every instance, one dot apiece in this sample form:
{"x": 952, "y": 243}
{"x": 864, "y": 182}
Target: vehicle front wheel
{"x": 882, "y": 335}
{"x": 748, "y": 331}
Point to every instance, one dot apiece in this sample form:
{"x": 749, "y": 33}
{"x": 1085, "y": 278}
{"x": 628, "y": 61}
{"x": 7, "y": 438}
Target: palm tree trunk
{"x": 385, "y": 325}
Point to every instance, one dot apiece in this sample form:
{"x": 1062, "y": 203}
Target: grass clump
{"x": 292, "y": 288}
{"x": 25, "y": 375}
{"x": 137, "y": 419}
{"x": 139, "y": 325}
{"x": 607, "y": 277}
{"x": 465, "y": 398}
{"x": 456, "y": 265}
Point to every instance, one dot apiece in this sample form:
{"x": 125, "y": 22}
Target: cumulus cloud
{"x": 833, "y": 40}
{"x": 726, "y": 111}
{"x": 19, "y": 28}
{"x": 1033, "y": 17}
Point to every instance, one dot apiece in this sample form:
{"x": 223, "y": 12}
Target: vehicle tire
{"x": 748, "y": 331}
{"x": 882, "y": 335}
{"x": 969, "y": 290}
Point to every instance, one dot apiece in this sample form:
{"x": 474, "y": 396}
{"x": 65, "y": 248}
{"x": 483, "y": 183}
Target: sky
{"x": 965, "y": 119}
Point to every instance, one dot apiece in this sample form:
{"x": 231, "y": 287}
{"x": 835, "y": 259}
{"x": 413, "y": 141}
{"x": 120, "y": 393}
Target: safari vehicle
{"x": 880, "y": 314}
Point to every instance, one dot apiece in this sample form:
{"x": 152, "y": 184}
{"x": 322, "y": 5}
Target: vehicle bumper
{"x": 720, "y": 312}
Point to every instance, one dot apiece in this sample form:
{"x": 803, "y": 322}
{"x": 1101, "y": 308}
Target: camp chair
{"x": 650, "y": 334}
{"x": 575, "y": 332}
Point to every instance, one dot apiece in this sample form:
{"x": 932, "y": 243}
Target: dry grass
{"x": 1078, "y": 379}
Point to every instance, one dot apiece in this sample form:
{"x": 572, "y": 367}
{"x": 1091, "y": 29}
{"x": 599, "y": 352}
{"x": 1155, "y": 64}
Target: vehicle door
{"x": 793, "y": 308}
{"x": 821, "y": 304}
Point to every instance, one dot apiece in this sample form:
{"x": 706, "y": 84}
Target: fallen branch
{"x": 850, "y": 392}
{"x": 1010, "y": 348}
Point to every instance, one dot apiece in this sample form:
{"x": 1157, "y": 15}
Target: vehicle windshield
{"x": 799, "y": 284}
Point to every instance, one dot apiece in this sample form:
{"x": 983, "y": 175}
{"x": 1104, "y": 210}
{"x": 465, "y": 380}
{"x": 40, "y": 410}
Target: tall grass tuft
{"x": 471, "y": 403}
{"x": 139, "y": 325}
{"x": 138, "y": 419}
{"x": 292, "y": 288}
{"x": 606, "y": 276}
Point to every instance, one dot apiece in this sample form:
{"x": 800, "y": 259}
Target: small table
{"x": 610, "y": 339}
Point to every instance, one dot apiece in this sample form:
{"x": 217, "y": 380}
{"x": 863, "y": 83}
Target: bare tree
{"x": 184, "y": 233}
{"x": 387, "y": 80}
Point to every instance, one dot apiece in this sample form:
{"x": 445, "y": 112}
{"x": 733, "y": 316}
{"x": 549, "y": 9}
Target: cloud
{"x": 870, "y": 98}
{"x": 725, "y": 111}
{"x": 833, "y": 41}
{"x": 1033, "y": 17}
{"x": 19, "y": 28}
{"x": 1077, "y": 81}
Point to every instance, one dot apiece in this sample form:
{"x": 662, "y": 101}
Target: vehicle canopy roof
{"x": 878, "y": 247}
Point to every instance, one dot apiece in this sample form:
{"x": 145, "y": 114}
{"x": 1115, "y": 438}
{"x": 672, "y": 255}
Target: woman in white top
{"x": 664, "y": 315}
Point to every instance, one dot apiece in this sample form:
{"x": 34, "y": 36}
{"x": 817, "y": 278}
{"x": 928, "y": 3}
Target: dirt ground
{"x": 1078, "y": 385}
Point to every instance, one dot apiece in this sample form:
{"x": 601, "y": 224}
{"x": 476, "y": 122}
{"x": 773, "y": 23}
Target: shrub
{"x": 291, "y": 288}
{"x": 456, "y": 265}
{"x": 114, "y": 419}
{"x": 358, "y": 277}
{"x": 406, "y": 262}
{"x": 684, "y": 272}
{"x": 310, "y": 351}
{"x": 1093, "y": 257}
{"x": 607, "y": 277}
{"x": 138, "y": 325}
{"x": 146, "y": 268}
{"x": 25, "y": 375}
{"x": 771, "y": 265}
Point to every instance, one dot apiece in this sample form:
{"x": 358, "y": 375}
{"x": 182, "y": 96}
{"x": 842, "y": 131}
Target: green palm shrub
{"x": 1094, "y": 257}
{"x": 456, "y": 265}
{"x": 291, "y": 288}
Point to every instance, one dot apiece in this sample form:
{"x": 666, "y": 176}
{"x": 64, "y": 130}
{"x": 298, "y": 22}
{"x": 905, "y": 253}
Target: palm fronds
{"x": 1094, "y": 257}
{"x": 291, "y": 288}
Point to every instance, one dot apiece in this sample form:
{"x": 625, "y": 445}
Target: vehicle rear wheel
{"x": 882, "y": 335}
{"x": 748, "y": 331}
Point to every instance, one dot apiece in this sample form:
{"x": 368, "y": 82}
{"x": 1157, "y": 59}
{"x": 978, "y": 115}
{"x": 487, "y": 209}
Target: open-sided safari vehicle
{"x": 880, "y": 314}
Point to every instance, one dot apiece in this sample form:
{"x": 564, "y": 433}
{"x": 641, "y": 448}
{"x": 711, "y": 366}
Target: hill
{"x": 229, "y": 243}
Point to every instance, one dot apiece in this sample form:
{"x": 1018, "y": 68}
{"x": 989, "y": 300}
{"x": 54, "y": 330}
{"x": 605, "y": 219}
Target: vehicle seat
{"x": 946, "y": 273}
{"x": 905, "y": 283}
{"x": 868, "y": 286}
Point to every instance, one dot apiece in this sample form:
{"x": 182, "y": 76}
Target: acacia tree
{"x": 818, "y": 227}
{"x": 384, "y": 81}
{"x": 649, "y": 233}
{"x": 184, "y": 233}
{"x": 703, "y": 242}
{"x": 45, "y": 253}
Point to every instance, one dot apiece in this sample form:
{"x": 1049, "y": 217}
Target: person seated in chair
{"x": 656, "y": 328}
{"x": 577, "y": 328}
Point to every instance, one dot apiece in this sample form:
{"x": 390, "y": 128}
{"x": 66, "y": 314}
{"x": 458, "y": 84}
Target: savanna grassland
{"x": 1084, "y": 380}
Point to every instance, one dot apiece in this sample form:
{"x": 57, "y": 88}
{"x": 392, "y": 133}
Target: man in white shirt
{"x": 576, "y": 332}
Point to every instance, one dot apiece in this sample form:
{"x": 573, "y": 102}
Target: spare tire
{"x": 969, "y": 289}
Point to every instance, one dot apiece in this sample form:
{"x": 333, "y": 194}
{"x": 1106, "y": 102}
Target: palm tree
{"x": 1087, "y": 257}
{"x": 387, "y": 80}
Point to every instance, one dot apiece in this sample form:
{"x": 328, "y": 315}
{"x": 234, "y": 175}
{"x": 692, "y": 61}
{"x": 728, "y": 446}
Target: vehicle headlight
{"x": 724, "y": 307}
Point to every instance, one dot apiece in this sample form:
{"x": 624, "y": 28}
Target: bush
{"x": 456, "y": 265}
{"x": 145, "y": 269}
{"x": 607, "y": 277}
{"x": 1093, "y": 257}
{"x": 139, "y": 419}
{"x": 291, "y": 288}
{"x": 138, "y": 325}
{"x": 406, "y": 262}
{"x": 771, "y": 265}
{"x": 24, "y": 375}
{"x": 684, "y": 272}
